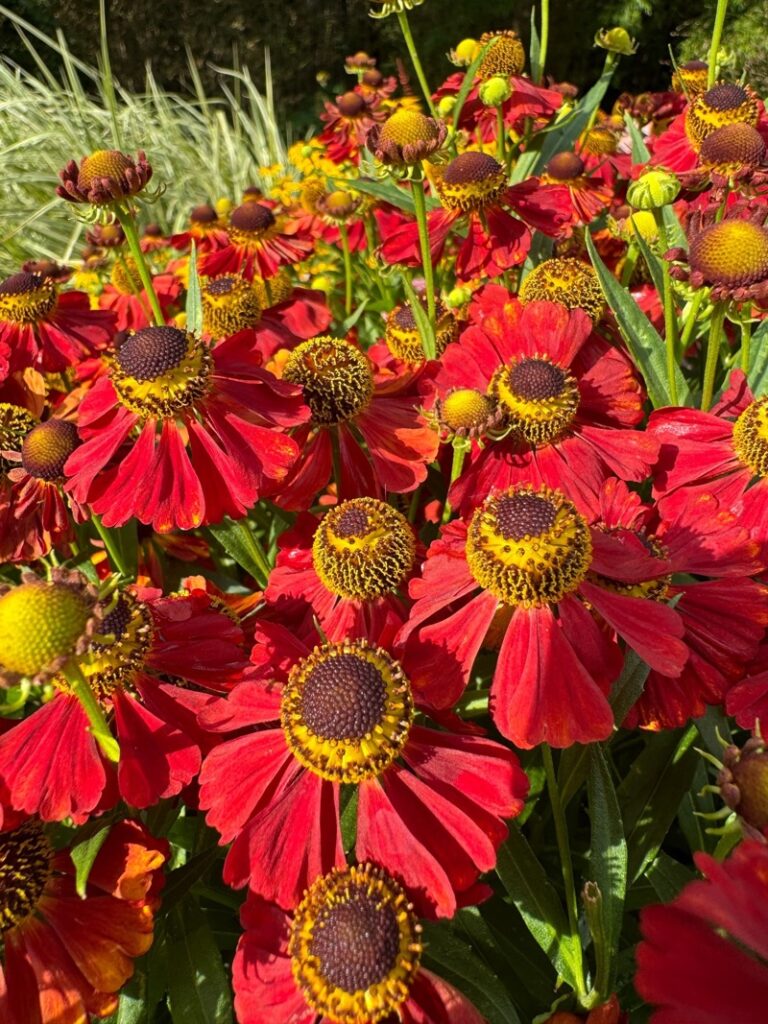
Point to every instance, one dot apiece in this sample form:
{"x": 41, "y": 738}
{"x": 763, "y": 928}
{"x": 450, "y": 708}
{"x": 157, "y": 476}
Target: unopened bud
{"x": 495, "y": 91}
{"x": 616, "y": 40}
{"x": 653, "y": 190}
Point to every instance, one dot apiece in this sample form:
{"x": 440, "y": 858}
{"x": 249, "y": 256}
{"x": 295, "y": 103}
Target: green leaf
{"x": 84, "y": 853}
{"x": 354, "y": 316}
{"x": 241, "y": 544}
{"x": 643, "y": 342}
{"x": 608, "y": 865}
{"x": 466, "y": 85}
{"x": 651, "y": 793}
{"x": 198, "y": 987}
{"x": 629, "y": 687}
{"x": 456, "y": 961}
{"x": 534, "y": 896}
{"x": 383, "y": 190}
{"x": 194, "y": 308}
{"x": 422, "y": 320}
{"x": 180, "y": 881}
{"x": 349, "y": 796}
{"x": 667, "y": 876}
{"x": 652, "y": 261}
{"x": 640, "y": 152}
{"x": 535, "y": 48}
{"x": 758, "y": 371}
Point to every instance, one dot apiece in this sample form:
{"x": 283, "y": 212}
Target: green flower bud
{"x": 446, "y": 105}
{"x": 653, "y": 190}
{"x": 616, "y": 40}
{"x": 458, "y": 297}
{"x": 495, "y": 91}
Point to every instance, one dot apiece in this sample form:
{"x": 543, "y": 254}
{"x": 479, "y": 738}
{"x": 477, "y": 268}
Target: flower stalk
{"x": 99, "y": 728}
{"x": 128, "y": 224}
{"x": 426, "y": 254}
{"x": 713, "y": 353}
{"x": 405, "y": 28}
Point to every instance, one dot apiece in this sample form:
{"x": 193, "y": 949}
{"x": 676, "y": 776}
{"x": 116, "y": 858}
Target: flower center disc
{"x": 25, "y": 867}
{"x": 355, "y": 946}
{"x": 466, "y": 411}
{"x": 471, "y": 181}
{"x": 41, "y": 624}
{"x": 229, "y": 305}
{"x": 346, "y": 711}
{"x": 404, "y": 340}
{"x": 15, "y": 423}
{"x": 505, "y": 56}
{"x": 565, "y": 280}
{"x": 103, "y": 163}
{"x": 732, "y": 253}
{"x": 733, "y": 145}
{"x": 47, "y": 447}
{"x": 750, "y": 437}
{"x": 336, "y": 378}
{"x": 540, "y": 398}
{"x": 363, "y": 549}
{"x": 249, "y": 223}
{"x": 26, "y": 298}
{"x": 114, "y": 660}
{"x": 528, "y": 547}
{"x": 350, "y": 104}
{"x": 161, "y": 370}
{"x": 407, "y": 127}
{"x": 722, "y": 104}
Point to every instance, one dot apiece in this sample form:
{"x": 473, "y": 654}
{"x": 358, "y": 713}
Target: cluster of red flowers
{"x": 428, "y": 536}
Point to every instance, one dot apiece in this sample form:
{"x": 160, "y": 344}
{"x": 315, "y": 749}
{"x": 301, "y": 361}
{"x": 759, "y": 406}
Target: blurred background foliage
{"x": 307, "y": 37}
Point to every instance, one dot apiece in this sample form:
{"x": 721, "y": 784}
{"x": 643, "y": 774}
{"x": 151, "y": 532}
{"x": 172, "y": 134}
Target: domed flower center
{"x": 42, "y": 624}
{"x": 363, "y": 549}
{"x": 528, "y": 547}
{"x": 564, "y": 166}
{"x": 471, "y": 181}
{"x": 355, "y": 946}
{"x": 733, "y": 253}
{"x": 27, "y": 298}
{"x": 351, "y": 104}
{"x": 273, "y": 291}
{"x": 15, "y": 424}
{"x": 346, "y": 711}
{"x": 125, "y": 276}
{"x": 565, "y": 280}
{"x": 466, "y": 411}
{"x": 103, "y": 163}
{"x": 505, "y": 56}
{"x": 229, "y": 305}
{"x": 250, "y": 222}
{"x": 736, "y": 145}
{"x": 119, "y": 651}
{"x": 25, "y": 867}
{"x": 161, "y": 370}
{"x": 540, "y": 399}
{"x": 723, "y": 104}
{"x": 336, "y": 378}
{"x": 203, "y": 214}
{"x": 691, "y": 77}
{"x": 407, "y": 127}
{"x": 403, "y": 337}
{"x": 47, "y": 447}
{"x": 750, "y": 437}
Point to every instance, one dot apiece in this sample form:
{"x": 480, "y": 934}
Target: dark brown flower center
{"x": 537, "y": 379}
{"x": 564, "y": 166}
{"x": 358, "y": 944}
{"x": 524, "y": 515}
{"x": 203, "y": 214}
{"x": 350, "y": 104}
{"x": 152, "y": 351}
{"x": 343, "y": 698}
{"x": 469, "y": 168}
{"x": 725, "y": 97}
{"x": 252, "y": 217}
{"x": 353, "y": 522}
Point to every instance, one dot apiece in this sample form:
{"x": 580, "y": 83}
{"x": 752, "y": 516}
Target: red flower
{"x": 747, "y": 700}
{"x": 259, "y": 243}
{"x": 205, "y": 229}
{"x": 50, "y": 762}
{"x": 723, "y": 452}
{"x": 353, "y": 398}
{"x": 347, "y": 123}
{"x": 34, "y": 515}
{"x": 219, "y": 419}
{"x": 126, "y": 297}
{"x": 283, "y": 971}
{"x": 703, "y": 956}
{"x": 566, "y": 173}
{"x": 45, "y": 329}
{"x": 724, "y": 615}
{"x": 430, "y": 804}
{"x": 566, "y": 397}
{"x": 521, "y": 574}
{"x": 347, "y": 568}
{"x": 526, "y": 100}
{"x": 64, "y": 958}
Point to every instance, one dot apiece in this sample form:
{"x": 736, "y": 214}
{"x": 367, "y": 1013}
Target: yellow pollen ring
{"x": 25, "y": 868}
{"x": 27, "y": 298}
{"x": 539, "y": 398}
{"x": 528, "y": 547}
{"x": 565, "y": 280}
{"x": 355, "y": 945}
{"x": 750, "y": 437}
{"x": 170, "y": 392}
{"x": 346, "y": 711}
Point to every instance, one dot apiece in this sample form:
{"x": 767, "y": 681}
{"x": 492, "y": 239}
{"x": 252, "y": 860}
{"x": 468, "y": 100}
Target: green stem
{"x": 713, "y": 352}
{"x": 347, "y": 269}
{"x": 110, "y": 543}
{"x": 99, "y": 728}
{"x": 563, "y": 845}
{"x": 417, "y": 191}
{"x": 630, "y": 262}
{"x": 714, "y": 46}
{"x": 501, "y": 133}
{"x": 336, "y": 460}
{"x": 746, "y": 338}
{"x": 544, "y": 38}
{"x": 457, "y": 463}
{"x": 405, "y": 28}
{"x": 690, "y": 322}
{"x": 128, "y": 224}
{"x": 670, "y": 317}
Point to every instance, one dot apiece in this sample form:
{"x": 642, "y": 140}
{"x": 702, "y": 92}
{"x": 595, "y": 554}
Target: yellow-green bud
{"x": 446, "y": 105}
{"x": 465, "y": 52}
{"x": 653, "y": 190}
{"x": 458, "y": 297}
{"x": 495, "y": 91}
{"x": 616, "y": 40}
